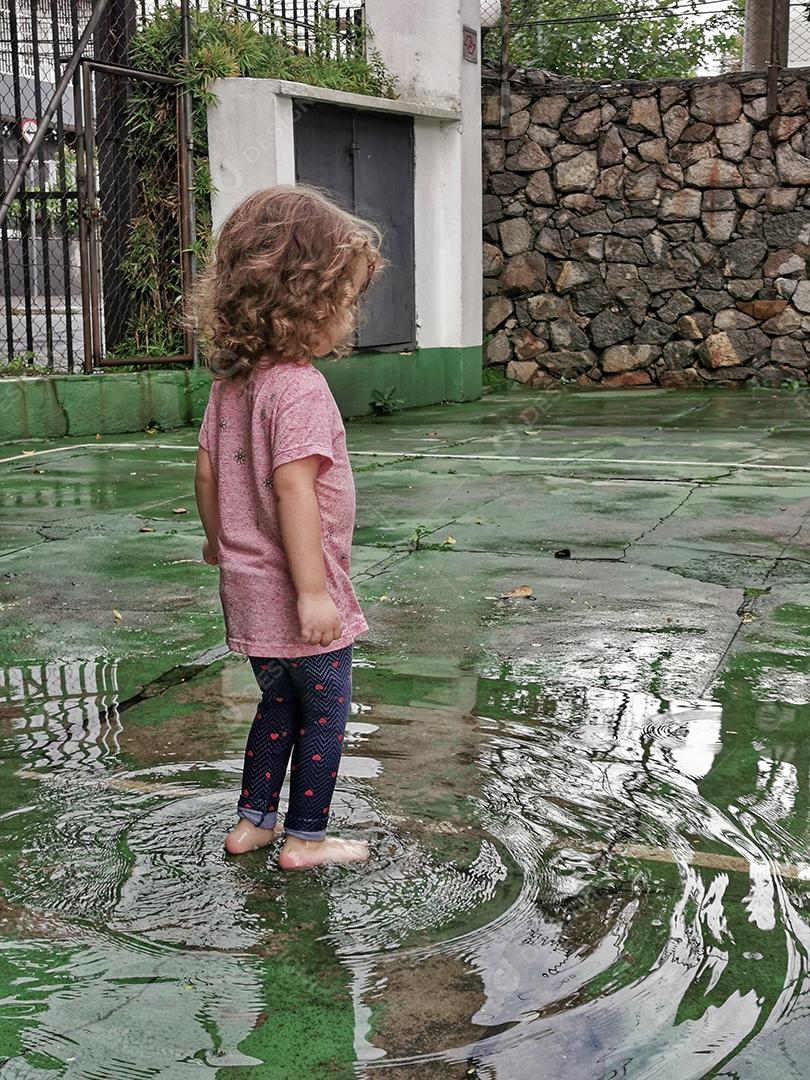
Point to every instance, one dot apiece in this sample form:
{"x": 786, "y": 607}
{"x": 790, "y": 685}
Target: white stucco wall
{"x": 251, "y": 145}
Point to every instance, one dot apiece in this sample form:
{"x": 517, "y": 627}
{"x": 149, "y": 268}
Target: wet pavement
{"x": 588, "y": 807}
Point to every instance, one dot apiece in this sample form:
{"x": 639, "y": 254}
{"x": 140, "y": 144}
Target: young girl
{"x": 276, "y": 498}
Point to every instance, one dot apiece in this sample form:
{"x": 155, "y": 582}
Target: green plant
{"x": 494, "y": 378}
{"x": 384, "y": 403}
{"x": 23, "y": 364}
{"x": 417, "y": 536}
{"x": 222, "y": 45}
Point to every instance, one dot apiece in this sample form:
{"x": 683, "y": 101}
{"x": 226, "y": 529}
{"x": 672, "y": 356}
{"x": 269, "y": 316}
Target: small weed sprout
{"x": 384, "y": 403}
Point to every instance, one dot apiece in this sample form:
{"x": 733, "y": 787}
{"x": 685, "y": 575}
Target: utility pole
{"x": 765, "y": 37}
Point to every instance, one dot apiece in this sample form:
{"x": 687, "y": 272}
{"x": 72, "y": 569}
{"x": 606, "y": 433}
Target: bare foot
{"x": 245, "y": 836}
{"x": 300, "y": 854}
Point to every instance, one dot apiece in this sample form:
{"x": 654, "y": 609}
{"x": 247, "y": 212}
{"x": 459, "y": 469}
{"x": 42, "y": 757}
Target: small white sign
{"x": 28, "y": 128}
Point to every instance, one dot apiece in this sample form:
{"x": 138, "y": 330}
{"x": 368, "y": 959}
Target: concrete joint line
{"x": 419, "y": 455}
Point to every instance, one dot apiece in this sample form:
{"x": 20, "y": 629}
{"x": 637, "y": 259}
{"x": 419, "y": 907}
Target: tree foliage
{"x": 621, "y": 39}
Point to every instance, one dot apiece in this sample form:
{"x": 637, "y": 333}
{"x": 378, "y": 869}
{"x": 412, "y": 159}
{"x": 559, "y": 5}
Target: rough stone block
{"x": 499, "y": 350}
{"x": 716, "y": 103}
{"x": 627, "y": 379}
{"x": 577, "y": 173}
{"x": 714, "y": 173}
{"x": 524, "y": 274}
{"x": 496, "y": 310}
{"x": 681, "y": 205}
{"x": 517, "y": 236}
{"x": 645, "y": 114}
{"x": 521, "y": 370}
{"x": 493, "y": 260}
{"x": 742, "y": 257}
{"x": 627, "y": 357}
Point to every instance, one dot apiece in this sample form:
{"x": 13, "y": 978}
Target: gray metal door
{"x": 365, "y": 161}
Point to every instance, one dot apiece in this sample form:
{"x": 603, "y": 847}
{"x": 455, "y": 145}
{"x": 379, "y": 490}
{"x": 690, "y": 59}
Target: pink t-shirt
{"x": 281, "y": 413}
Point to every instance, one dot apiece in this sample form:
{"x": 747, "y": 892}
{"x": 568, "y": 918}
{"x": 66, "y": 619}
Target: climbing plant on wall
{"x": 222, "y": 46}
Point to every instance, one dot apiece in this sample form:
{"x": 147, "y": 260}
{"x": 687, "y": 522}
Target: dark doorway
{"x": 365, "y": 161}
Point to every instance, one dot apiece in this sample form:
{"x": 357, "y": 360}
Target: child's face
{"x": 335, "y": 334}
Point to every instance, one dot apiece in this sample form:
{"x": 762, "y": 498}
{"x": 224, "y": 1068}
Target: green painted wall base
{"x": 117, "y": 402}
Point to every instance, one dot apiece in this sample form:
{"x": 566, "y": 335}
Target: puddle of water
{"x": 565, "y": 882}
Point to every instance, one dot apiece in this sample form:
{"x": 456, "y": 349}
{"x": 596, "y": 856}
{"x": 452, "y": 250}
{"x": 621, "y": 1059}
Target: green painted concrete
{"x": 120, "y": 402}
{"x": 422, "y": 377}
{"x": 563, "y": 794}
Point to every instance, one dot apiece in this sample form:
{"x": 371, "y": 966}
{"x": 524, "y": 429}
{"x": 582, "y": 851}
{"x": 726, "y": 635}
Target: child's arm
{"x": 205, "y": 488}
{"x": 300, "y": 526}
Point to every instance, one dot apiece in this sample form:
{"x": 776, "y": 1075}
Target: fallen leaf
{"x": 528, "y": 431}
{"x": 519, "y": 592}
{"x": 146, "y": 528}
{"x": 98, "y": 438}
{"x": 180, "y": 510}
{"x": 117, "y": 615}
{"x": 450, "y": 541}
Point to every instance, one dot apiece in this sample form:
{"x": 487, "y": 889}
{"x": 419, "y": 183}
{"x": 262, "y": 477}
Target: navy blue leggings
{"x": 303, "y": 712}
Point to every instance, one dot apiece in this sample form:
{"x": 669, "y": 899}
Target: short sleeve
{"x": 203, "y": 438}
{"x": 303, "y": 420}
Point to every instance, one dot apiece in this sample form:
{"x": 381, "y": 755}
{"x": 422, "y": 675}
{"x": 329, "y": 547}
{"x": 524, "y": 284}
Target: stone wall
{"x": 647, "y": 233}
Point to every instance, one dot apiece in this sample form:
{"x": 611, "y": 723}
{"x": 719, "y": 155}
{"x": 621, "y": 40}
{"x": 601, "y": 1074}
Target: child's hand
{"x": 319, "y": 618}
{"x": 210, "y": 554}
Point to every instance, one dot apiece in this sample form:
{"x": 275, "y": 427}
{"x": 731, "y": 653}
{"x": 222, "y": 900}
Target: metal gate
{"x": 365, "y": 161}
{"x": 70, "y": 299}
{"x": 133, "y": 314}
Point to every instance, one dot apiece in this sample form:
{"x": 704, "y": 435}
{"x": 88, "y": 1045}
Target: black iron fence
{"x": 67, "y": 286}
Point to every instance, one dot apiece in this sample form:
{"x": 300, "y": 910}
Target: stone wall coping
{"x": 549, "y": 83}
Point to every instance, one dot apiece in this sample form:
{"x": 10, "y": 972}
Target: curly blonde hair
{"x": 281, "y": 275}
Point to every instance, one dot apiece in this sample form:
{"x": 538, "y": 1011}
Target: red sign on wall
{"x": 469, "y": 48}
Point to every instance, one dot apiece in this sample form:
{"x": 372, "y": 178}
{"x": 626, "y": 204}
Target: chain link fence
{"x": 798, "y": 36}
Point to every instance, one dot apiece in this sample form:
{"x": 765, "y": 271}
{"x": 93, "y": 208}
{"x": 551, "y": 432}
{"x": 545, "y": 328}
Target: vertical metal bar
{"x": 307, "y": 30}
{"x": 61, "y": 172}
{"x": 43, "y": 208}
{"x": 93, "y": 247}
{"x": 82, "y": 167}
{"x": 4, "y": 251}
{"x": 506, "y": 90}
{"x": 775, "y": 57}
{"x": 360, "y": 39}
{"x": 25, "y": 225}
{"x": 185, "y": 151}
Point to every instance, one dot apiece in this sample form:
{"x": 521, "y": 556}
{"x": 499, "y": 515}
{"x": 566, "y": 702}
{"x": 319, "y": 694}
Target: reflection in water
{"x": 593, "y": 883}
{"x": 65, "y": 713}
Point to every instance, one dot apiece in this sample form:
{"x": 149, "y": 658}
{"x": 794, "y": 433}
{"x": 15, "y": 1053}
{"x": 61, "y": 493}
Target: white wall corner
{"x": 250, "y": 142}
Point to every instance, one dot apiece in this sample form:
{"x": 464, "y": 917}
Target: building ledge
{"x": 303, "y": 91}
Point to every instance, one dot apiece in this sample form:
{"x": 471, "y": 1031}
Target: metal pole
{"x": 761, "y": 16}
{"x": 186, "y": 164}
{"x": 506, "y": 90}
{"x": 47, "y": 116}
{"x": 777, "y": 55}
